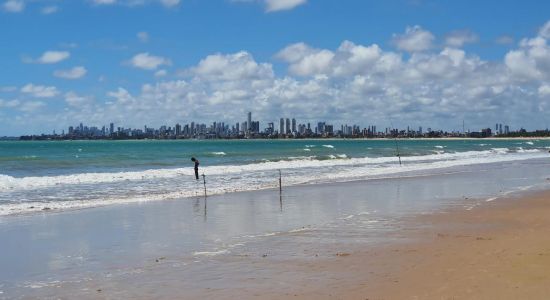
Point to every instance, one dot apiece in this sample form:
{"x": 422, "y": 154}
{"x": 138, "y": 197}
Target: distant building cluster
{"x": 287, "y": 128}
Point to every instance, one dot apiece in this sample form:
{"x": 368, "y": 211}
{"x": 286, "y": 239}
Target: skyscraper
{"x": 288, "y": 126}
{"x": 111, "y": 128}
{"x": 293, "y": 125}
{"x": 249, "y": 122}
{"x": 282, "y": 126}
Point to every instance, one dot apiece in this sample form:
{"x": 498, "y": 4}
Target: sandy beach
{"x": 499, "y": 250}
{"x": 459, "y": 233}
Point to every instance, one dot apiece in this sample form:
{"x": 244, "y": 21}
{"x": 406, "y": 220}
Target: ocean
{"x": 58, "y": 175}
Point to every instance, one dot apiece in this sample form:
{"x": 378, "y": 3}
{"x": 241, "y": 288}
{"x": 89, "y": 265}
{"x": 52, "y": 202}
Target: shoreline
{"x": 498, "y": 250}
{"x": 298, "y": 139}
{"x": 349, "y": 240}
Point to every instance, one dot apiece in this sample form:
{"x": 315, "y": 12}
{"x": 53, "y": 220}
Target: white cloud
{"x": 170, "y": 3}
{"x": 73, "y": 99}
{"x": 161, "y": 73}
{"x": 505, "y": 40}
{"x": 351, "y": 83}
{"x": 9, "y": 103}
{"x": 278, "y": 5}
{"x": 532, "y": 59}
{"x": 348, "y": 59}
{"x": 148, "y": 62}
{"x": 40, "y": 91}
{"x": 240, "y": 65}
{"x": 122, "y": 96}
{"x": 143, "y": 36}
{"x": 460, "y": 37}
{"x": 414, "y": 39}
{"x": 50, "y": 57}
{"x": 545, "y": 30}
{"x": 48, "y": 10}
{"x": 74, "y": 73}
{"x": 136, "y": 3}
{"x": 544, "y": 90}
{"x": 13, "y": 6}
{"x": 31, "y": 106}
{"x": 8, "y": 89}
{"x": 104, "y": 2}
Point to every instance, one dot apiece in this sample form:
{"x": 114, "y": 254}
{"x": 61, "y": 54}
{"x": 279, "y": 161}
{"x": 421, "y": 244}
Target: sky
{"x": 161, "y": 62}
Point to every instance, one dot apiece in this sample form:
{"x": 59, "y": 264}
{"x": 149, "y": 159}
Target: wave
{"x": 440, "y": 147}
{"x": 221, "y": 153}
{"x": 234, "y": 178}
{"x": 10, "y": 183}
{"x": 328, "y": 146}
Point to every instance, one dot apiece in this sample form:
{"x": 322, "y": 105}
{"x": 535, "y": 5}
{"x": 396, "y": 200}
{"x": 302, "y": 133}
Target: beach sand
{"x": 499, "y": 250}
{"x": 419, "y": 237}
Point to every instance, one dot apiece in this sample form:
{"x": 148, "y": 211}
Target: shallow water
{"x": 78, "y": 174}
{"x": 119, "y": 245}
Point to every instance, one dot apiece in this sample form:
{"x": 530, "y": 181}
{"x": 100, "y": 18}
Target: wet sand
{"x": 499, "y": 250}
{"x": 418, "y": 237}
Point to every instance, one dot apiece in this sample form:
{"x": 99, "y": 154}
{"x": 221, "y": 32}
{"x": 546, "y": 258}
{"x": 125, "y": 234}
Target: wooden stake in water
{"x": 204, "y": 182}
{"x": 280, "y": 190}
{"x": 280, "y": 183}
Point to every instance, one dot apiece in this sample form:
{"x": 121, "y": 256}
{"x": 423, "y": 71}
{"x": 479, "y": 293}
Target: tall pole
{"x": 397, "y": 147}
{"x": 280, "y": 183}
{"x": 204, "y": 182}
{"x": 396, "y": 144}
{"x": 280, "y": 190}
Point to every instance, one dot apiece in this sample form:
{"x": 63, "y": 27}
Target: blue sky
{"x": 151, "y": 62}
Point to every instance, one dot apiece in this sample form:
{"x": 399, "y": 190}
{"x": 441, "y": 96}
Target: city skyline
{"x": 250, "y": 128}
{"x": 397, "y": 61}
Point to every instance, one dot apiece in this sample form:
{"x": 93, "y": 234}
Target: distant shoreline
{"x": 10, "y": 139}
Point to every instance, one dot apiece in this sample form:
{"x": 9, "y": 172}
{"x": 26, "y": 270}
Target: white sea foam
{"x": 221, "y": 153}
{"x": 529, "y": 143}
{"x": 341, "y": 156}
{"x": 211, "y": 253}
{"x": 328, "y": 146}
{"x": 301, "y": 170}
{"x": 439, "y": 147}
{"x": 444, "y": 159}
{"x": 307, "y": 149}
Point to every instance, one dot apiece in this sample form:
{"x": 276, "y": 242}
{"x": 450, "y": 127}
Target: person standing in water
{"x": 196, "y": 161}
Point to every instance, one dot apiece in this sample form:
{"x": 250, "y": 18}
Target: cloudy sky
{"x": 154, "y": 62}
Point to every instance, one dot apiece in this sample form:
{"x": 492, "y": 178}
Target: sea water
{"x": 56, "y": 175}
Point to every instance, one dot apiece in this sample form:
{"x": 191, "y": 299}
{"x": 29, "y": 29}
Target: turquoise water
{"x": 20, "y": 159}
{"x": 66, "y": 174}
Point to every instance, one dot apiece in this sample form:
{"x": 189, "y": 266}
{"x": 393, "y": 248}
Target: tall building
{"x": 282, "y": 126}
{"x": 111, "y": 128}
{"x": 293, "y": 125}
{"x": 287, "y": 126}
{"x": 320, "y": 127}
{"x": 249, "y": 122}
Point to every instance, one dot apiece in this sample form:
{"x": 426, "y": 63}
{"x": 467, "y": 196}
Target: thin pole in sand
{"x": 396, "y": 144}
{"x": 204, "y": 182}
{"x": 397, "y": 147}
{"x": 280, "y": 190}
{"x": 280, "y": 183}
